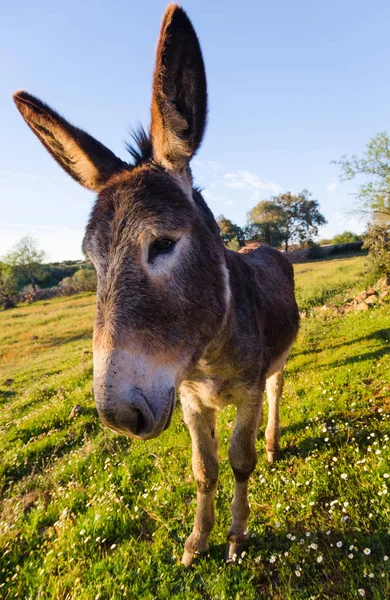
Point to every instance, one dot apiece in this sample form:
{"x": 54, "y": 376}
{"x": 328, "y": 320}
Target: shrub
{"x": 377, "y": 242}
{"x": 84, "y": 280}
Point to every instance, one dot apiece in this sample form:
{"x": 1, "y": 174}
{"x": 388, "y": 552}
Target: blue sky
{"x": 292, "y": 85}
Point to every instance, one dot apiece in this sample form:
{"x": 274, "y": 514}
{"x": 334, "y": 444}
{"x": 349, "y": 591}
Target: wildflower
{"x": 350, "y": 555}
{"x": 361, "y": 592}
{"x": 272, "y": 559}
{"x": 351, "y": 547}
{"x": 319, "y": 558}
{"x": 277, "y": 524}
{"x": 113, "y": 546}
{"x": 386, "y": 475}
{"x": 339, "y": 544}
{"x": 344, "y": 476}
{"x": 367, "y": 551}
{"x": 298, "y": 573}
{"x": 386, "y": 558}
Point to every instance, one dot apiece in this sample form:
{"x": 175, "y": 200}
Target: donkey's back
{"x": 266, "y": 277}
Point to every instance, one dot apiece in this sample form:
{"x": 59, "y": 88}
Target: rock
{"x": 383, "y": 283}
{"x": 325, "y": 308}
{"x": 362, "y": 296}
{"x": 372, "y": 292}
{"x": 60, "y": 394}
{"x": 371, "y": 299}
{"x": 86, "y": 352}
{"x": 384, "y": 294}
{"x": 76, "y": 410}
{"x": 362, "y": 306}
{"x": 8, "y": 382}
{"x": 303, "y": 315}
{"x": 34, "y": 337}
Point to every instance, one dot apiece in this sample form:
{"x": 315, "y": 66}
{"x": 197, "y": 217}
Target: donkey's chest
{"x": 215, "y": 389}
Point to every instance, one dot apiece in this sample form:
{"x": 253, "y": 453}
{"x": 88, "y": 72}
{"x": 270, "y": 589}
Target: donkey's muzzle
{"x": 133, "y": 395}
{"x": 131, "y": 416}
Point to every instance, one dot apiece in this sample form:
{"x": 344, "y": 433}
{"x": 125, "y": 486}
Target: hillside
{"x": 86, "y": 514}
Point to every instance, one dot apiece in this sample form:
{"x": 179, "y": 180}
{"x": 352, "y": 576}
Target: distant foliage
{"x": 84, "y": 280}
{"x": 232, "y": 235}
{"x": 374, "y": 168}
{"x": 285, "y": 219}
{"x": 345, "y": 238}
{"x": 25, "y": 259}
{"x": 264, "y": 224}
{"x": 8, "y": 285}
{"x": 57, "y": 271}
{"x": 377, "y": 242}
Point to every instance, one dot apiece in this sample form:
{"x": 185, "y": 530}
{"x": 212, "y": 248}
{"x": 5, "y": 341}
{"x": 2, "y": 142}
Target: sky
{"x": 292, "y": 86}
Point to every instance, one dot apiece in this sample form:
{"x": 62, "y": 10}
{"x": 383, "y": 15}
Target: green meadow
{"x": 88, "y": 515}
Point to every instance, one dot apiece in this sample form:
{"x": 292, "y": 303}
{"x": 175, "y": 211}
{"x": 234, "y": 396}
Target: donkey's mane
{"x": 140, "y": 146}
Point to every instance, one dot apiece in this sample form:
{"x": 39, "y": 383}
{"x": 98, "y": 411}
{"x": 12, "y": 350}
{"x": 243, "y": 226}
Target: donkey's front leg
{"x": 201, "y": 424}
{"x": 243, "y": 458}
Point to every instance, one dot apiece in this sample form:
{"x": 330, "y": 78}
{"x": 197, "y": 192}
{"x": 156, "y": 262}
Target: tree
{"x": 8, "y": 285}
{"x": 290, "y": 218}
{"x": 345, "y": 238}
{"x": 232, "y": 235}
{"x": 264, "y": 224}
{"x": 26, "y": 260}
{"x": 374, "y": 166}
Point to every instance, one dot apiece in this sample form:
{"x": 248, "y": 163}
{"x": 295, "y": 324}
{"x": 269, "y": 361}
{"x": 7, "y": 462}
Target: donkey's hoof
{"x": 234, "y": 551}
{"x": 273, "y": 456}
{"x": 189, "y": 556}
{"x": 194, "y": 547}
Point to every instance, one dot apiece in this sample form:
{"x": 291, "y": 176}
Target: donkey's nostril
{"x": 140, "y": 424}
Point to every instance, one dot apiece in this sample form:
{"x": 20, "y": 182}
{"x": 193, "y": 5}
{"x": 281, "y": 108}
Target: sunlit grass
{"x": 89, "y": 515}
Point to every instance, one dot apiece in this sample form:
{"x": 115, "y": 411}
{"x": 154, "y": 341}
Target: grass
{"x": 89, "y": 515}
{"x": 333, "y": 279}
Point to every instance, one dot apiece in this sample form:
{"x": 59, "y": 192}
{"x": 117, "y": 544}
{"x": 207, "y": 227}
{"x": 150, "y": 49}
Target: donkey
{"x": 174, "y": 306}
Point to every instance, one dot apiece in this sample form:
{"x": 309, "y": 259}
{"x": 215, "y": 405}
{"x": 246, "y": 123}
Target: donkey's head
{"x": 162, "y": 281}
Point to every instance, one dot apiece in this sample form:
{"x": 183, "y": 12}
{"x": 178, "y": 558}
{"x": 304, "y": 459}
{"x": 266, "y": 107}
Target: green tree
{"x": 26, "y": 260}
{"x": 8, "y": 285}
{"x": 291, "y": 218}
{"x": 374, "y": 167}
{"x": 264, "y": 223}
{"x": 232, "y": 235}
{"x": 345, "y": 238}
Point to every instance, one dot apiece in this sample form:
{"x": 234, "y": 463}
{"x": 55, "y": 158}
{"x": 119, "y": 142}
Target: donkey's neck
{"x": 233, "y": 358}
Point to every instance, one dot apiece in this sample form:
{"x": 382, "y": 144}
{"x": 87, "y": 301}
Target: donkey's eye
{"x": 161, "y": 246}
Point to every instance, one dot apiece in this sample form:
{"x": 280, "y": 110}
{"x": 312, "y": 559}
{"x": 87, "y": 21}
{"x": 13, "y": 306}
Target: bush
{"x": 84, "y": 280}
{"x": 346, "y": 237}
{"x": 377, "y": 242}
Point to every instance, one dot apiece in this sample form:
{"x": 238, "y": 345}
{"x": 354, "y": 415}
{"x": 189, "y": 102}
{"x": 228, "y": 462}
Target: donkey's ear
{"x": 84, "y": 158}
{"x": 179, "y": 104}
